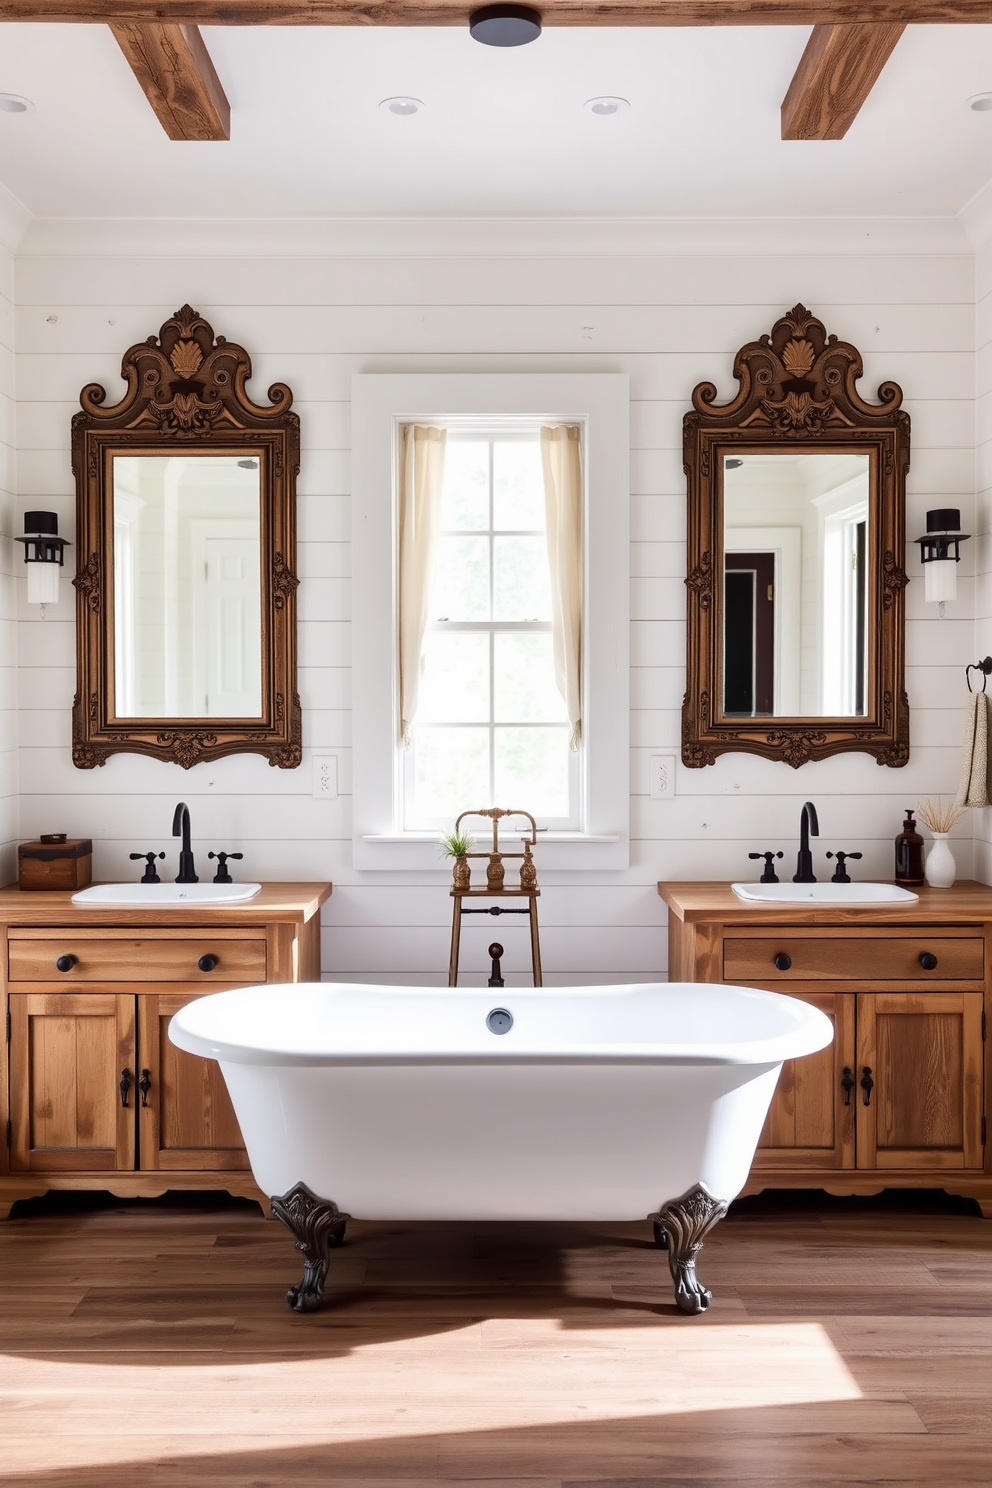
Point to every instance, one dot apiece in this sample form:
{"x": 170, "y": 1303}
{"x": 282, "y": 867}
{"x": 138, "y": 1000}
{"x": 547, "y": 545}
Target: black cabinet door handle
{"x": 928, "y": 961}
{"x": 782, "y": 961}
{"x": 66, "y": 963}
{"x": 144, "y": 1085}
{"x": 867, "y": 1084}
{"x": 847, "y": 1084}
{"x": 125, "y": 1086}
{"x": 207, "y": 963}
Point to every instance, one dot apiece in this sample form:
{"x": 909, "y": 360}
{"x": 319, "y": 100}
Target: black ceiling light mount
{"x": 505, "y": 25}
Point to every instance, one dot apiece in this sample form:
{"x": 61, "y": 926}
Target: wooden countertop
{"x": 965, "y": 902}
{"x": 292, "y": 903}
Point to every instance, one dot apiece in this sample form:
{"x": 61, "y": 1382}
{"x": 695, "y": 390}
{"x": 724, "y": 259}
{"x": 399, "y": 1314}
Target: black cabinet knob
{"x": 66, "y": 963}
{"x": 782, "y": 961}
{"x": 207, "y": 963}
{"x": 928, "y": 961}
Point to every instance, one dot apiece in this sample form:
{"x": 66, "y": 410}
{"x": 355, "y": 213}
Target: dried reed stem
{"x": 938, "y": 816}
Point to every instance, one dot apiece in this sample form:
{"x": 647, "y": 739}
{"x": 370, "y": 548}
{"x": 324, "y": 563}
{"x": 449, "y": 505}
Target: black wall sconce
{"x": 940, "y": 553}
{"x": 44, "y": 555}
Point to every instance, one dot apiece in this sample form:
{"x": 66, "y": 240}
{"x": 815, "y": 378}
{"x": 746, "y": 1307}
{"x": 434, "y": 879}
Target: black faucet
{"x": 804, "y": 863}
{"x": 180, "y": 823}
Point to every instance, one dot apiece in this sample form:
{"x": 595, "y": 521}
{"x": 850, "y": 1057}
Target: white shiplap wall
{"x": 983, "y": 512}
{"x": 11, "y": 553}
{"x": 669, "y": 316}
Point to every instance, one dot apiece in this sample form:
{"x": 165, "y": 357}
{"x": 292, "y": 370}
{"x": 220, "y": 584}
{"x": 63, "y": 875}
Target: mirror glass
{"x": 187, "y": 605}
{"x": 796, "y": 545}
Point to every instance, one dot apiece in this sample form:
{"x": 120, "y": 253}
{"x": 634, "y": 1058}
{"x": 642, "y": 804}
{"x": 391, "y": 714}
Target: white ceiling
{"x": 504, "y": 132}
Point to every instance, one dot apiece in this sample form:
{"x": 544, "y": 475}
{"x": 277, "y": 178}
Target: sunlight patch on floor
{"x": 103, "y": 1413}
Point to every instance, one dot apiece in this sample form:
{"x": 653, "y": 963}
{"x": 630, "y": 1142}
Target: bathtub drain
{"x": 499, "y": 1021}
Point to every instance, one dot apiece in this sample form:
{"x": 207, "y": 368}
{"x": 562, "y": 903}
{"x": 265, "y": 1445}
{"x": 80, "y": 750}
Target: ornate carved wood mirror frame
{"x": 185, "y": 396}
{"x": 797, "y": 394}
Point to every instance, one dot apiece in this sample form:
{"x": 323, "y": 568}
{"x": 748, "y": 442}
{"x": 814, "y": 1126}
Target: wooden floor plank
{"x": 847, "y": 1342}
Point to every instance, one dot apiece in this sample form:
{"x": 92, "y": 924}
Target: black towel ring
{"x": 985, "y": 667}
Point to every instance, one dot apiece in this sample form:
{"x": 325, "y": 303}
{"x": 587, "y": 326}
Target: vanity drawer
{"x": 136, "y": 959}
{"x": 853, "y": 958}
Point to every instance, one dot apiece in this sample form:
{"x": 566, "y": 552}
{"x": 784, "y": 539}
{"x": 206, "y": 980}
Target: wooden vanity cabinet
{"x": 899, "y": 1098}
{"x": 93, "y": 1093}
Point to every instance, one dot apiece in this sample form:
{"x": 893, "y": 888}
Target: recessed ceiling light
{"x": 505, "y": 25}
{"x": 13, "y": 103}
{"x": 403, "y": 108}
{"x": 605, "y": 108}
{"x": 980, "y": 102}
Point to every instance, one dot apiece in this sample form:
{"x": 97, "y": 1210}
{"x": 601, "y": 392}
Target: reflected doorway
{"x": 749, "y": 635}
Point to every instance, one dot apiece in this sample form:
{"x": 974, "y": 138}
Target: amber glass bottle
{"x": 909, "y": 854}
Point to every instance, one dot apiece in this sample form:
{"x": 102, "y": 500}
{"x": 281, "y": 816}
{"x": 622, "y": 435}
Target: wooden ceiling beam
{"x": 456, "y": 12}
{"x": 837, "y": 71}
{"x": 179, "y": 80}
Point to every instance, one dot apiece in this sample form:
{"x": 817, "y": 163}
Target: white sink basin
{"x": 160, "y": 895}
{"x": 853, "y": 894}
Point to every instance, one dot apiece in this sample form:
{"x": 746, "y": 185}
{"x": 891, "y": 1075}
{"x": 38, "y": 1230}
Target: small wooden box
{"x": 56, "y": 862}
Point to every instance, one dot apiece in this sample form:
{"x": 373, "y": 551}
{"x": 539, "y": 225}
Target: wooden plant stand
{"x": 527, "y": 889}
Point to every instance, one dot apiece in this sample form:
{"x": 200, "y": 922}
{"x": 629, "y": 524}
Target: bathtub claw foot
{"x": 317, "y": 1226}
{"x": 684, "y": 1223}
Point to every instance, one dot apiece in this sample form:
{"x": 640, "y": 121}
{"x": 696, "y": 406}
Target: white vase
{"x": 941, "y": 869}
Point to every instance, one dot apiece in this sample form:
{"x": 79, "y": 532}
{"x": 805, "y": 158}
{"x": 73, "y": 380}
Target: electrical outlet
{"x": 325, "y": 777}
{"x": 661, "y": 777}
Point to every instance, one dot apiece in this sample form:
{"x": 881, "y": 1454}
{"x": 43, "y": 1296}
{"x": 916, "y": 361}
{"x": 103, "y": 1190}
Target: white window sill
{"x": 590, "y": 851}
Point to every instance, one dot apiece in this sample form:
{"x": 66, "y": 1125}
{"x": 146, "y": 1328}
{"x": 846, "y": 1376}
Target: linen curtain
{"x": 561, "y": 456}
{"x": 420, "y": 479}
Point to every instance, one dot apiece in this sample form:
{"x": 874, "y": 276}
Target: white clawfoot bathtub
{"x": 594, "y": 1103}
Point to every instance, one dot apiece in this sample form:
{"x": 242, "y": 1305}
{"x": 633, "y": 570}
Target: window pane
{"x": 461, "y": 580}
{"x": 454, "y": 684}
{"x": 465, "y": 497}
{"x": 532, "y": 770}
{"x": 452, "y": 772}
{"x": 518, "y": 484}
{"x": 526, "y": 691}
{"x": 521, "y": 580}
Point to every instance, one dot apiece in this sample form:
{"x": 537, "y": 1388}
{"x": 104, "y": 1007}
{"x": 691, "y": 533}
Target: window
{"x": 490, "y": 725}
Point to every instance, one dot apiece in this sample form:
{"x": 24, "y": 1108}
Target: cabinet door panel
{"x": 67, "y": 1054}
{"x": 924, "y": 1054}
{"x": 188, "y": 1121}
{"x": 809, "y": 1125}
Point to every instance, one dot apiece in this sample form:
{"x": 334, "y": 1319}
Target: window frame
{"x": 381, "y": 403}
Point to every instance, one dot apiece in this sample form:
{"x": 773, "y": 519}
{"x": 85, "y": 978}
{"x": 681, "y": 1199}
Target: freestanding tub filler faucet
{"x": 804, "y": 864}
{"x": 180, "y": 823}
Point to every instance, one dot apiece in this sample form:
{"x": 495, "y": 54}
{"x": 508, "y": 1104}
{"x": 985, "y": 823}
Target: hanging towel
{"x": 974, "y": 787}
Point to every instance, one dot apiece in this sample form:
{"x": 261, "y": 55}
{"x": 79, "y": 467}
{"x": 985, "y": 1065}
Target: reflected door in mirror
{"x": 749, "y": 635}
{"x": 796, "y": 563}
{"x": 187, "y": 586}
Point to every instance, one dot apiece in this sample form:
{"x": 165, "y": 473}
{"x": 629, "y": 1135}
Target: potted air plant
{"x": 458, "y": 845}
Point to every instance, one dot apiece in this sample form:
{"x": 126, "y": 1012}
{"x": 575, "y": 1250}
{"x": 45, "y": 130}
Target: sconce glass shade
{"x": 940, "y": 553}
{"x": 940, "y": 580}
{"x": 44, "y": 556}
{"x": 43, "y": 583}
